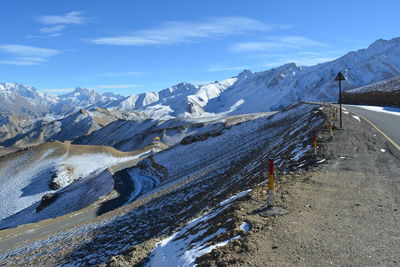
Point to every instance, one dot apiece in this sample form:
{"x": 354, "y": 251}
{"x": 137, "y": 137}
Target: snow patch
{"x": 245, "y": 226}
{"x": 389, "y": 110}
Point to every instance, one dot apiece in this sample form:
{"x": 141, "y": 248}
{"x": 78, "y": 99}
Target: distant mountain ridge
{"x": 273, "y": 89}
{"x": 249, "y": 92}
{"x": 22, "y": 100}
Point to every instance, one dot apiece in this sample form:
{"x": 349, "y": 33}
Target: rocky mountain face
{"x": 248, "y": 92}
{"x": 20, "y": 100}
{"x": 80, "y": 123}
{"x": 273, "y": 89}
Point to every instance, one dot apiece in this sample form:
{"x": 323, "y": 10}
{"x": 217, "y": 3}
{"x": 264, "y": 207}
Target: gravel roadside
{"x": 344, "y": 212}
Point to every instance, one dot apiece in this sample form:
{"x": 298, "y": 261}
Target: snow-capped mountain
{"x": 181, "y": 100}
{"x": 249, "y": 92}
{"x": 20, "y": 100}
{"x": 82, "y": 98}
{"x": 23, "y": 100}
{"x": 272, "y": 89}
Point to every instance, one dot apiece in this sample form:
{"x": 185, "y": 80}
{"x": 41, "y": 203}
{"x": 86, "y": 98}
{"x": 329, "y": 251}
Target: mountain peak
{"x": 245, "y": 74}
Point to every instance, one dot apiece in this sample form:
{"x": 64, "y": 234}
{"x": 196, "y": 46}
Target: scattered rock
{"x": 46, "y": 201}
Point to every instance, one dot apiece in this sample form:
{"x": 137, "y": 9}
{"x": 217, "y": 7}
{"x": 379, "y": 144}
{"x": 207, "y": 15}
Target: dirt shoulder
{"x": 343, "y": 212}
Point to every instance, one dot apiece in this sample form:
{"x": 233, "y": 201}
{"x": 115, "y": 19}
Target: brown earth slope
{"x": 344, "y": 212}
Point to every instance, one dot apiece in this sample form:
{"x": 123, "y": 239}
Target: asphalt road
{"x": 387, "y": 123}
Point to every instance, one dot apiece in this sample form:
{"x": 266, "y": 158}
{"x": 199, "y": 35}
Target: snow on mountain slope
{"x": 131, "y": 135}
{"x": 22, "y": 100}
{"x": 269, "y": 90}
{"x": 180, "y": 100}
{"x": 392, "y": 84}
{"x": 80, "y": 123}
{"x": 27, "y": 175}
{"x": 200, "y": 177}
{"x": 83, "y": 98}
{"x": 249, "y": 92}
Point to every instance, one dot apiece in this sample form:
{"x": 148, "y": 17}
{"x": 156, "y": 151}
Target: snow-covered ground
{"x": 195, "y": 178}
{"x": 130, "y": 135}
{"x": 26, "y": 176}
{"x": 182, "y": 249}
{"x": 389, "y": 110}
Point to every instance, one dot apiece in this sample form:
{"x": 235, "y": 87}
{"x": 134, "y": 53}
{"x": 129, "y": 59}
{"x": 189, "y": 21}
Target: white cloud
{"x": 74, "y": 17}
{"x": 26, "y": 55}
{"x": 277, "y": 43}
{"x": 53, "y": 29}
{"x": 23, "y": 61}
{"x": 111, "y": 86}
{"x": 183, "y": 32}
{"x": 24, "y": 50}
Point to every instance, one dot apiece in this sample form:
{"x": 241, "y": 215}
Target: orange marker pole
{"x": 330, "y": 129}
{"x": 271, "y": 184}
{"x": 315, "y": 144}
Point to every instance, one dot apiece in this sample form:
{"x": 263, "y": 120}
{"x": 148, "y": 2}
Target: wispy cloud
{"x": 277, "y": 43}
{"x": 26, "y": 55}
{"x": 183, "y": 32}
{"x": 111, "y": 86}
{"x": 25, "y": 50}
{"x": 53, "y": 29}
{"x": 23, "y": 61}
{"x": 58, "y": 90}
{"x": 57, "y": 23}
{"x": 74, "y": 17}
{"x": 123, "y": 73}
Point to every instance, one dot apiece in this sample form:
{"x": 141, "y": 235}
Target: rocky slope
{"x": 191, "y": 195}
{"x": 80, "y": 123}
{"x": 384, "y": 93}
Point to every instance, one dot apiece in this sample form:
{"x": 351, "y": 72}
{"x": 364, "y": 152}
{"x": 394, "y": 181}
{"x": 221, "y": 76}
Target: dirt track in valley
{"x": 343, "y": 212}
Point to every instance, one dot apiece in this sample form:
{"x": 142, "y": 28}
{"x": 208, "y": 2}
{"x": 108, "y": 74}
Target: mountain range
{"x": 248, "y": 92}
{"x": 28, "y": 116}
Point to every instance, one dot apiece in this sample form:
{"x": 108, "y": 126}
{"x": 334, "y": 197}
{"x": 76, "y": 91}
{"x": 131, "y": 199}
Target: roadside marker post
{"x": 330, "y": 129}
{"x": 271, "y": 183}
{"x": 315, "y": 144}
{"x": 271, "y": 210}
{"x": 156, "y": 141}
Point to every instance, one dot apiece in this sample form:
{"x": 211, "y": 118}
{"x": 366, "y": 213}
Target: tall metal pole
{"x": 340, "y": 77}
{"x": 340, "y": 102}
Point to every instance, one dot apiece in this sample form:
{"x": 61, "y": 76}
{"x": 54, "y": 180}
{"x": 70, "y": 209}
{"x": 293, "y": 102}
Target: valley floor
{"x": 345, "y": 212}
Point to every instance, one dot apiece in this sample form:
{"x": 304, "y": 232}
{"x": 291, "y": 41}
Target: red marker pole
{"x": 271, "y": 184}
{"x": 315, "y": 144}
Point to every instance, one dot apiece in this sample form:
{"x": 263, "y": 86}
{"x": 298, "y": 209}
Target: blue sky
{"x": 129, "y": 47}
